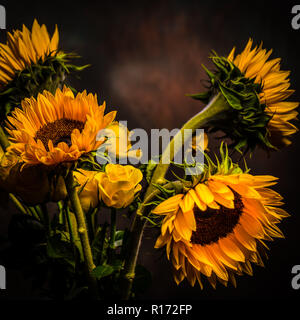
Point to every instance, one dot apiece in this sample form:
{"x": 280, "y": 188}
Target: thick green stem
{"x": 82, "y": 230}
{"x": 212, "y": 111}
{"x": 70, "y": 226}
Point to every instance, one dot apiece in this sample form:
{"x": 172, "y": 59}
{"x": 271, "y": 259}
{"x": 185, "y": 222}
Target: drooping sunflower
{"x": 275, "y": 88}
{"x": 253, "y": 91}
{"x": 57, "y": 128}
{"x": 219, "y": 226}
{"x": 30, "y": 62}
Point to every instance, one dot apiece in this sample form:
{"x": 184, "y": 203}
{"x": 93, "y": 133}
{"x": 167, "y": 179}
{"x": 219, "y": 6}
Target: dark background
{"x": 145, "y": 56}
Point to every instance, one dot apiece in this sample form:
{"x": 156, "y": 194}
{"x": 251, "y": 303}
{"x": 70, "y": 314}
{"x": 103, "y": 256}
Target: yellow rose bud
{"x": 119, "y": 141}
{"x": 205, "y": 142}
{"x": 88, "y": 189}
{"x": 119, "y": 184}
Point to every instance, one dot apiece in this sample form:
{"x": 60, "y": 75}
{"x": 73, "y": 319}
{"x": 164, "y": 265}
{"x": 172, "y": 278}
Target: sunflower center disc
{"x": 214, "y": 224}
{"x": 58, "y": 131}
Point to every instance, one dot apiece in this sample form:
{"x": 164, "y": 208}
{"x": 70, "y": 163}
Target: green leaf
{"x": 99, "y": 244}
{"x": 233, "y": 101}
{"x": 117, "y": 264}
{"x": 203, "y": 96}
{"x": 142, "y": 280}
{"x": 57, "y": 248}
{"x": 150, "y": 169}
{"x": 209, "y": 73}
{"x": 103, "y": 271}
{"x": 119, "y": 238}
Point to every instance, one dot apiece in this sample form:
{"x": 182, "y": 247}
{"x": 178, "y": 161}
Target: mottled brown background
{"x": 145, "y": 56}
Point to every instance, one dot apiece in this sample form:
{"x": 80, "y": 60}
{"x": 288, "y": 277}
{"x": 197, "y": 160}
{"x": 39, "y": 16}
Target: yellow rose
{"x": 88, "y": 189}
{"x": 119, "y": 184}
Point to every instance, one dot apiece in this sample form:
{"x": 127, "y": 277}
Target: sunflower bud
{"x": 119, "y": 184}
{"x": 31, "y": 183}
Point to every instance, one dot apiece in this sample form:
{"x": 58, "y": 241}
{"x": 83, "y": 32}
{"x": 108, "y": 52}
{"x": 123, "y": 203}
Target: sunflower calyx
{"x": 222, "y": 165}
{"x": 89, "y": 162}
{"x": 246, "y": 120}
{"x": 48, "y": 73}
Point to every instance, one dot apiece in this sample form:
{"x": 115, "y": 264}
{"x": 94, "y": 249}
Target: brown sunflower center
{"x": 58, "y": 131}
{"x": 214, "y": 224}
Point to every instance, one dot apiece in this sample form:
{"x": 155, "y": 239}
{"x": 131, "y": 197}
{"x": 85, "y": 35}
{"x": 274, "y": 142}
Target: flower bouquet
{"x": 66, "y": 162}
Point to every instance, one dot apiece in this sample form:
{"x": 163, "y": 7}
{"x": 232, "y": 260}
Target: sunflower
{"x": 275, "y": 88}
{"x": 31, "y": 62}
{"x": 24, "y": 48}
{"x": 253, "y": 90}
{"x": 218, "y": 227}
{"x": 56, "y": 128}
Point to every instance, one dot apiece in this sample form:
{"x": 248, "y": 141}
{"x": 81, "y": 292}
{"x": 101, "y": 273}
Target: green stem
{"x": 102, "y": 241}
{"x": 135, "y": 237}
{"x": 3, "y": 140}
{"x": 113, "y": 229}
{"x": 70, "y": 226}
{"x": 90, "y": 219}
{"x": 44, "y": 211}
{"x": 214, "y": 109}
{"x": 35, "y": 213}
{"x": 18, "y": 203}
{"x": 82, "y": 231}
{"x": 61, "y": 216}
